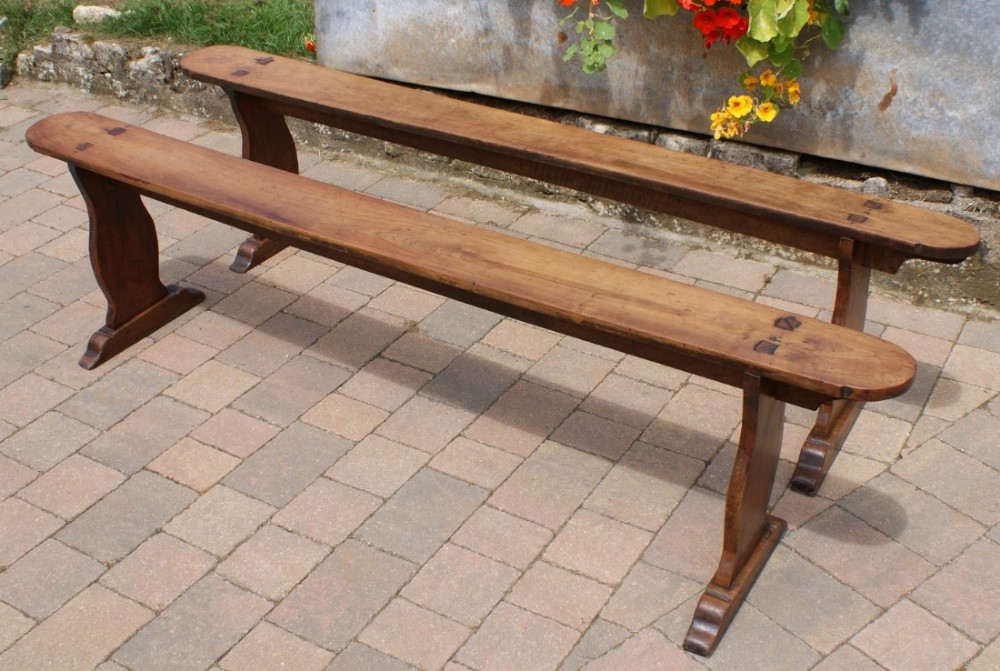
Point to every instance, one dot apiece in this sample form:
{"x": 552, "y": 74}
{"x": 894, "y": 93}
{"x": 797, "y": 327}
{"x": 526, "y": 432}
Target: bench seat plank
{"x": 676, "y": 324}
{"x": 775, "y": 207}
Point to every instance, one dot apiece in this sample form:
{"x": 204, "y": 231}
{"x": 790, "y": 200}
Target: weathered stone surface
{"x": 902, "y": 92}
{"x": 84, "y": 14}
{"x": 136, "y": 73}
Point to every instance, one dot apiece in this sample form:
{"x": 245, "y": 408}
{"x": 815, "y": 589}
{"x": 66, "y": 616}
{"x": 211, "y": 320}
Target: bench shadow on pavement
{"x": 473, "y": 382}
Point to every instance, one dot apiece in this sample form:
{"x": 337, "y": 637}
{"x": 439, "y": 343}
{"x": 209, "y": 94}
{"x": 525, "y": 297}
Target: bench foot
{"x": 107, "y": 341}
{"x": 254, "y": 251}
{"x": 821, "y": 447}
{"x": 750, "y": 534}
{"x": 719, "y": 604}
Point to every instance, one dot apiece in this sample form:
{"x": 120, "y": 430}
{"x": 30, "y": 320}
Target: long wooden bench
{"x": 860, "y": 232}
{"x": 773, "y": 356}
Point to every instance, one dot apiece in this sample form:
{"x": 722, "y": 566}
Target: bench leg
{"x": 124, "y": 256}
{"x": 267, "y": 140}
{"x": 749, "y": 533}
{"x": 836, "y": 418}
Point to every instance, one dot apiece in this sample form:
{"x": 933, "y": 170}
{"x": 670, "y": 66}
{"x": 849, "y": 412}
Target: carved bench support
{"x": 836, "y": 418}
{"x": 267, "y": 140}
{"x": 749, "y": 534}
{"x": 125, "y": 257}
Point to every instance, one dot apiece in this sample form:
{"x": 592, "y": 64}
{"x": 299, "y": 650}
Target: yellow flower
{"x": 739, "y": 106}
{"x": 768, "y": 78}
{"x": 727, "y": 130}
{"x": 719, "y": 121}
{"x": 750, "y": 83}
{"x": 766, "y": 111}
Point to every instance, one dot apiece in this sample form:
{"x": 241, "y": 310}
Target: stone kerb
{"x": 132, "y": 72}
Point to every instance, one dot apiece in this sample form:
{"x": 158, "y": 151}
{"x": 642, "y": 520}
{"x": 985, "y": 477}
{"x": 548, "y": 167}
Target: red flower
{"x": 704, "y": 21}
{"x": 722, "y": 25}
{"x": 737, "y": 31}
{"x": 727, "y": 18}
{"x": 698, "y": 5}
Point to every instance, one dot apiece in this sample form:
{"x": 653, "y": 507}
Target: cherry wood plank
{"x": 774, "y": 207}
{"x": 680, "y": 325}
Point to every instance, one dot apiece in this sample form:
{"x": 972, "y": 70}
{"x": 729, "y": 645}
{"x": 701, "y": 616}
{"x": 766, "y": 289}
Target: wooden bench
{"x": 773, "y": 356}
{"x": 858, "y": 231}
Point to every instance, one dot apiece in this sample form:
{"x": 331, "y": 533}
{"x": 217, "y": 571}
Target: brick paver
{"x": 158, "y": 571}
{"x": 323, "y": 469}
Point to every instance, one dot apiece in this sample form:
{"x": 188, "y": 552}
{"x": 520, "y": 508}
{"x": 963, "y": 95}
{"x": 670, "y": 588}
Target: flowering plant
{"x": 774, "y": 36}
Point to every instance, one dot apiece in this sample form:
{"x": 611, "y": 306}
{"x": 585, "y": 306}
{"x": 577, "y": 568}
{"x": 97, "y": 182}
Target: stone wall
{"x": 913, "y": 88}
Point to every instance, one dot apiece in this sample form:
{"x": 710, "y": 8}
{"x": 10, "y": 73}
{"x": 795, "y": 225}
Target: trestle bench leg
{"x": 835, "y": 419}
{"x": 267, "y": 140}
{"x": 125, "y": 257}
{"x": 750, "y": 534}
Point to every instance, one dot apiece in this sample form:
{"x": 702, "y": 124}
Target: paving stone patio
{"x": 321, "y": 469}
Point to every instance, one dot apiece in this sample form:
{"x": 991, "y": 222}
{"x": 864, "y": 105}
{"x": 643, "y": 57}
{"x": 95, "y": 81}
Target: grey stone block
{"x": 783, "y": 162}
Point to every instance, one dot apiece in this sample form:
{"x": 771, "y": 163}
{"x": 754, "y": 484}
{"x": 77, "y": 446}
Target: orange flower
{"x": 793, "y": 92}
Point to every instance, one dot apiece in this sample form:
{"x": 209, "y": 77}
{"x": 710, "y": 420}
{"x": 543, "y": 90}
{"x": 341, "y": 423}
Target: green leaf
{"x": 792, "y": 23}
{"x": 842, "y": 6}
{"x": 617, "y": 8}
{"x": 752, "y": 50}
{"x": 604, "y": 31}
{"x": 832, "y": 32}
{"x": 763, "y": 20}
{"x": 653, "y": 8}
{"x": 780, "y": 57}
{"x": 793, "y": 70}
{"x": 782, "y": 7}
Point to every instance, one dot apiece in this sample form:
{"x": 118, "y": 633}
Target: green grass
{"x": 30, "y": 22}
{"x": 274, "y": 26}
